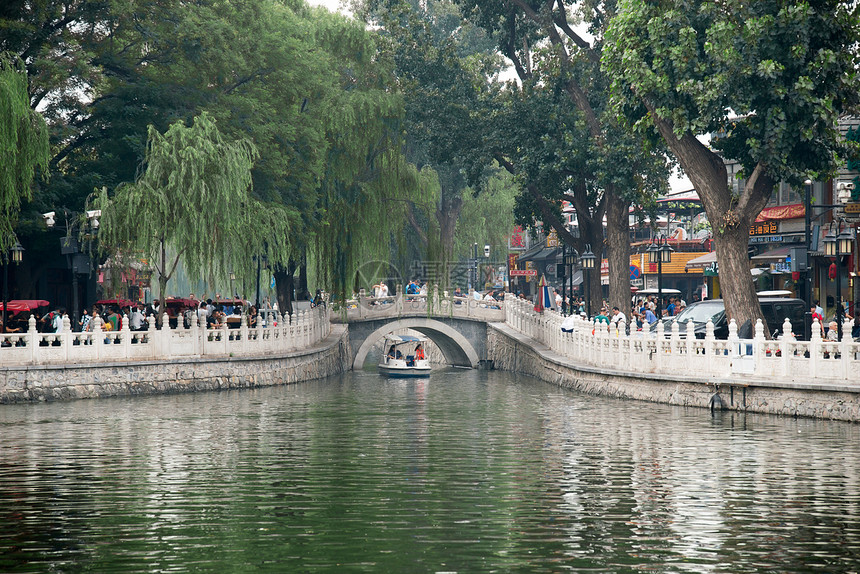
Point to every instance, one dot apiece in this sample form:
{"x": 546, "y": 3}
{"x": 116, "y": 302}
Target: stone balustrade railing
{"x": 437, "y": 303}
{"x": 679, "y": 353}
{"x": 279, "y": 335}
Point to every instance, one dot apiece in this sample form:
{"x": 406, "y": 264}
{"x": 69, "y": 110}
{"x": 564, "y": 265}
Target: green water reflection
{"x": 465, "y": 472}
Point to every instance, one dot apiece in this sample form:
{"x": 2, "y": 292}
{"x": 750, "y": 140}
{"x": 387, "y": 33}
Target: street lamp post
{"x": 570, "y": 261}
{"x": 837, "y": 246}
{"x": 475, "y": 267}
{"x": 563, "y": 276}
{"x": 588, "y": 260}
{"x": 77, "y": 259}
{"x": 17, "y": 252}
{"x": 807, "y": 216}
{"x": 232, "y": 278}
{"x": 262, "y": 261}
{"x": 660, "y": 252}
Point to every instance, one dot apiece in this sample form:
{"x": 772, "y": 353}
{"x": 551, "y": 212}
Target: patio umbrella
{"x": 18, "y": 305}
{"x": 543, "y": 299}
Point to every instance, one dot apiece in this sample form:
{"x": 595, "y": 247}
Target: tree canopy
{"x": 769, "y": 79}
{"x": 554, "y": 128}
{"x": 193, "y": 199}
{"x": 23, "y": 145}
{"x": 307, "y": 87}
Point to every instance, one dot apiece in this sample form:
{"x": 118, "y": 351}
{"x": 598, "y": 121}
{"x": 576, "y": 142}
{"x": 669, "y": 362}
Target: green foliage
{"x": 488, "y": 217}
{"x": 23, "y": 145}
{"x": 443, "y": 65}
{"x": 193, "y": 198}
{"x": 769, "y": 77}
{"x": 308, "y": 88}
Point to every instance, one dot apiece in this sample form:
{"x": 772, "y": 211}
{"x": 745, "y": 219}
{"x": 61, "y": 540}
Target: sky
{"x": 677, "y": 182}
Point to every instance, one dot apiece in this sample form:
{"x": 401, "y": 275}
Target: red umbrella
{"x": 18, "y": 305}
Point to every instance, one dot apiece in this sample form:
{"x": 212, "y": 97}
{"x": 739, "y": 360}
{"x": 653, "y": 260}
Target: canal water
{"x": 469, "y": 471}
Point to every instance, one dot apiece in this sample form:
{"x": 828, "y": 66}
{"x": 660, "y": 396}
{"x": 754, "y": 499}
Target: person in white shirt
{"x": 58, "y": 321}
{"x": 617, "y": 316}
{"x": 135, "y": 322}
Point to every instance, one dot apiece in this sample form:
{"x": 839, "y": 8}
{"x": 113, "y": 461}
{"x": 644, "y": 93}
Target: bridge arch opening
{"x": 455, "y": 347}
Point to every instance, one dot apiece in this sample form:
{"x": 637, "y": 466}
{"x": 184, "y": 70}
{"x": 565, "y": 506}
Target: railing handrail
{"x": 679, "y": 352}
{"x": 279, "y": 335}
{"x": 435, "y": 303}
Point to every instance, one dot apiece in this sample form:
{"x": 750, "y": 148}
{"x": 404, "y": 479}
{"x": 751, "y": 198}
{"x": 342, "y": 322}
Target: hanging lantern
{"x": 831, "y": 271}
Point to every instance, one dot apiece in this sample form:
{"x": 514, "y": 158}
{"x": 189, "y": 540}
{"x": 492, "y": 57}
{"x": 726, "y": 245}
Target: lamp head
{"x": 49, "y": 218}
{"x": 17, "y": 252}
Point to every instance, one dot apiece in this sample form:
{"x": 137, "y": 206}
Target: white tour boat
{"x": 404, "y": 356}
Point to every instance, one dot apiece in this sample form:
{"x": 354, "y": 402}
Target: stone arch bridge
{"x": 457, "y": 325}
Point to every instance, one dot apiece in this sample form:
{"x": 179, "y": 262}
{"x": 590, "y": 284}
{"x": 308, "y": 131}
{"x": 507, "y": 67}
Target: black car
{"x": 775, "y": 310}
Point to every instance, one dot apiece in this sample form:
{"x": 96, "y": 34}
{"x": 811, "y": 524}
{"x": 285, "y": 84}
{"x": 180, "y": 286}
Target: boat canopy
{"x": 396, "y": 339}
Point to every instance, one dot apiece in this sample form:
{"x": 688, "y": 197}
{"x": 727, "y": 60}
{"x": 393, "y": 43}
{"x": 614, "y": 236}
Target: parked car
{"x": 775, "y": 310}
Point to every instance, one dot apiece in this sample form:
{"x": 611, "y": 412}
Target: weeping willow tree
{"x": 192, "y": 201}
{"x": 363, "y": 221}
{"x": 366, "y": 180}
{"x": 23, "y": 145}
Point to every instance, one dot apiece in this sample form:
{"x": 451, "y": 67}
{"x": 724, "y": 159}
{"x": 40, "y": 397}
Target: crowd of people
{"x": 215, "y": 314}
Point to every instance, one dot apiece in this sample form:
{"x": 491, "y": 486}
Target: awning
{"x": 702, "y": 261}
{"x": 542, "y": 255}
{"x": 778, "y": 254}
{"x": 793, "y": 211}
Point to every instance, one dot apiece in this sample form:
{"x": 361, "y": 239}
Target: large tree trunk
{"x": 284, "y": 284}
{"x": 302, "y": 291}
{"x": 618, "y": 251}
{"x": 447, "y": 216}
{"x": 730, "y": 217}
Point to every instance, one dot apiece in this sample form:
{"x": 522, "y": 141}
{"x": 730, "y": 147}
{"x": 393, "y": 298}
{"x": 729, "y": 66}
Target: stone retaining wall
{"x": 330, "y": 356}
{"x": 511, "y": 351}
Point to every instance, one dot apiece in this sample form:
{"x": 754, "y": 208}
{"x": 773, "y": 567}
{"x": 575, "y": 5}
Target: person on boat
{"x": 419, "y": 352}
{"x": 393, "y": 353}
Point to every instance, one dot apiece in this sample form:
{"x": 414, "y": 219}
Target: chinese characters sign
{"x": 517, "y": 239}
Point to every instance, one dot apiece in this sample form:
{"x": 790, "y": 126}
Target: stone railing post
{"x": 125, "y": 336}
{"x": 153, "y": 346}
{"x": 692, "y": 358}
{"x": 362, "y": 312}
{"x": 194, "y": 333}
{"x": 66, "y": 338}
{"x": 733, "y": 343}
{"x": 245, "y": 345}
{"x": 305, "y": 322}
{"x": 32, "y": 338}
{"x": 814, "y": 349}
{"x": 225, "y": 338}
{"x": 845, "y": 349}
{"x": 659, "y": 347}
{"x": 710, "y": 351}
{"x": 675, "y": 340}
{"x": 784, "y": 348}
{"x": 758, "y": 347}
{"x": 98, "y": 336}
{"x": 166, "y": 336}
